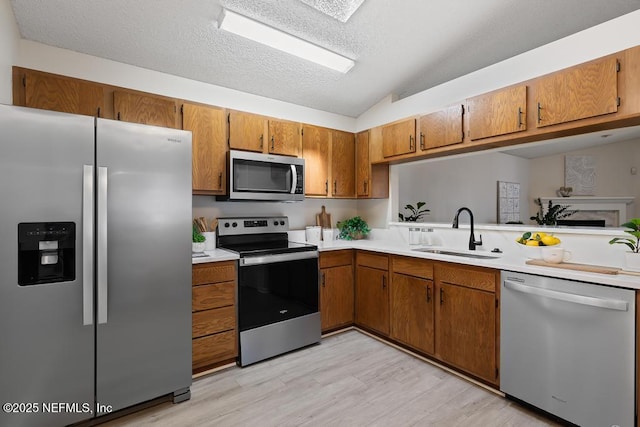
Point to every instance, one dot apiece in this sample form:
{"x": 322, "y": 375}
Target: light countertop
{"x": 507, "y": 261}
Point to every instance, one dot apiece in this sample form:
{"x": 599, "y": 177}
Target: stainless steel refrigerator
{"x": 95, "y": 266}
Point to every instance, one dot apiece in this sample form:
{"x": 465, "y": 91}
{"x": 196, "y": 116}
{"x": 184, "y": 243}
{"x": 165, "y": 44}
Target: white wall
{"x": 9, "y": 39}
{"x": 61, "y": 61}
{"x": 613, "y": 172}
{"x": 300, "y": 214}
{"x": 471, "y": 181}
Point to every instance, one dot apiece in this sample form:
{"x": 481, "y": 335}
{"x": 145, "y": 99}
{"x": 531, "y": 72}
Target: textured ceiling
{"x": 400, "y": 47}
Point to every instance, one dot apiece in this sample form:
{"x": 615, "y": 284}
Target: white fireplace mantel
{"x": 593, "y": 203}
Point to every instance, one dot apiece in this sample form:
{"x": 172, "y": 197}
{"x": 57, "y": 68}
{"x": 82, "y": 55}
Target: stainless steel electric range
{"x": 278, "y": 292}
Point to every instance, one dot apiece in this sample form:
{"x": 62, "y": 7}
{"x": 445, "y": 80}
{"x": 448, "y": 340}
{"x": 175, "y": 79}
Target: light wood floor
{"x": 349, "y": 379}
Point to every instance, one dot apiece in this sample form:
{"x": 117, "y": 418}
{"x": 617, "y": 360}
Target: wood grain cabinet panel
{"x": 412, "y": 312}
{"x": 246, "y": 131}
{"x": 441, "y": 128}
{"x": 284, "y": 138}
{"x": 217, "y": 347}
{"x": 468, "y": 275}
{"x": 64, "y": 94}
{"x": 315, "y": 151}
{"x": 373, "y": 260}
{"x": 498, "y": 113}
{"x": 146, "y": 109}
{"x": 416, "y": 267}
{"x": 343, "y": 164}
{"x": 466, "y": 334}
{"x": 399, "y": 138}
{"x": 209, "y": 147}
{"x": 579, "y": 92}
{"x": 363, "y": 165}
{"x": 337, "y": 295}
{"x": 372, "y": 299}
{"x": 214, "y": 323}
{"x": 214, "y": 295}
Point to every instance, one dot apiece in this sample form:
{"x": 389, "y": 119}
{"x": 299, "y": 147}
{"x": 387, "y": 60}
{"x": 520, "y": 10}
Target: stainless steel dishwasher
{"x": 568, "y": 348}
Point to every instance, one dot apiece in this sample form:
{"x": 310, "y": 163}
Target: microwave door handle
{"x": 294, "y": 179}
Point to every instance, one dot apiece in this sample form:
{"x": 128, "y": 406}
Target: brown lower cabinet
{"x": 372, "y": 291}
{"x": 412, "y": 303}
{"x": 449, "y": 312}
{"x": 336, "y": 289}
{"x": 214, "y": 328}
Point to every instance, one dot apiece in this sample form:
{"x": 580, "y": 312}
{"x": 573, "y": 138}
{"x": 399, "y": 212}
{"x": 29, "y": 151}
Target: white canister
{"x": 312, "y": 234}
{"x": 210, "y": 240}
{"x": 327, "y": 235}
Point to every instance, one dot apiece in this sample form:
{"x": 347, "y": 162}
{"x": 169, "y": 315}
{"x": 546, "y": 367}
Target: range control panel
{"x": 234, "y": 226}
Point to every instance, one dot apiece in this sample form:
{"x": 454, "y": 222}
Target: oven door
{"x": 257, "y": 176}
{"x": 275, "y": 288}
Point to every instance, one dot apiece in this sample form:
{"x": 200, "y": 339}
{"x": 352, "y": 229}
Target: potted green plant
{"x": 553, "y": 213}
{"x": 198, "y": 239}
{"x": 353, "y": 228}
{"x": 632, "y": 257}
{"x": 416, "y": 212}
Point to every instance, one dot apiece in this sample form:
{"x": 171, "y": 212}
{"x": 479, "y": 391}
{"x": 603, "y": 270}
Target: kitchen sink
{"x": 455, "y": 253}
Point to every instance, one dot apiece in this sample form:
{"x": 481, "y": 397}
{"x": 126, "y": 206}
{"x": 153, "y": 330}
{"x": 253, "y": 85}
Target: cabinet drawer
{"x": 212, "y": 321}
{"x": 372, "y": 260}
{"x": 412, "y": 266}
{"x": 213, "y": 272}
{"x": 214, "y": 295}
{"x": 473, "y": 277}
{"x": 336, "y": 258}
{"x": 214, "y": 348}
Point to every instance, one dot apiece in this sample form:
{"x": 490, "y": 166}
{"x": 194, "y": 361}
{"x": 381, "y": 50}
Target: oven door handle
{"x": 294, "y": 179}
{"x": 270, "y": 259}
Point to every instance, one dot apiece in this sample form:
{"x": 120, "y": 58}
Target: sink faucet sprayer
{"x": 472, "y": 238}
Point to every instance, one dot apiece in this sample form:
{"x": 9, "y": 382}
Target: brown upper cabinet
{"x": 146, "y": 109}
{"x": 315, "y": 151}
{"x": 246, "y": 131}
{"x": 498, "y": 113}
{"x": 343, "y": 164}
{"x": 209, "y": 146}
{"x": 399, "y": 138}
{"x": 58, "y": 93}
{"x": 363, "y": 165}
{"x": 583, "y": 91}
{"x": 441, "y": 128}
{"x": 284, "y": 138}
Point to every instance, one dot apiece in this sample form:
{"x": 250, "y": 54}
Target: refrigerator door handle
{"x": 87, "y": 244}
{"x": 102, "y": 244}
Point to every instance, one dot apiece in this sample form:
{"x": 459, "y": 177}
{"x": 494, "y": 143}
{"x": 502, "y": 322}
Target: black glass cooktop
{"x": 270, "y": 247}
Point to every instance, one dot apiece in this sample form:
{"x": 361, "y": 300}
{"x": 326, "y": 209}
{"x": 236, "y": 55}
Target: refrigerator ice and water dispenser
{"x": 46, "y": 252}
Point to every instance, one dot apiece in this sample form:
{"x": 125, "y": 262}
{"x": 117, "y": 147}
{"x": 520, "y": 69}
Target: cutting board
{"x": 577, "y": 267}
{"x": 323, "y": 219}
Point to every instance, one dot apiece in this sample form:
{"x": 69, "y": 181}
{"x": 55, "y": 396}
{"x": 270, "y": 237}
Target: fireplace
{"x": 613, "y": 210}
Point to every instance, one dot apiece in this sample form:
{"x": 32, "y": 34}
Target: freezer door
{"x": 46, "y": 349}
{"x": 143, "y": 263}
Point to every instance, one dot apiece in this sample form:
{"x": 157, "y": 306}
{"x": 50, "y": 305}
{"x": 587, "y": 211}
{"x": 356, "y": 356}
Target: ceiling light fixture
{"x": 261, "y": 33}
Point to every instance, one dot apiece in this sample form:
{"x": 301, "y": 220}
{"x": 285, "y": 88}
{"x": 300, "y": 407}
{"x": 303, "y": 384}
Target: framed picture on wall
{"x": 508, "y": 202}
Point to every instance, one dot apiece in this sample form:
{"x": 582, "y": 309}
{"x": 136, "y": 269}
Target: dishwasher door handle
{"x": 611, "y": 304}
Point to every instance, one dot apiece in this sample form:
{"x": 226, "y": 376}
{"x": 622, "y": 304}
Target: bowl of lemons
{"x": 532, "y": 242}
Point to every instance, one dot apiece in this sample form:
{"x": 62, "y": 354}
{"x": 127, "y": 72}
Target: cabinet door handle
{"x": 326, "y": 187}
{"x": 410, "y": 142}
{"x": 273, "y": 143}
{"x": 261, "y": 141}
{"x": 428, "y": 294}
{"x": 539, "y": 113}
{"x": 519, "y": 116}
{"x": 323, "y": 279}
{"x": 365, "y": 187}
{"x": 384, "y": 282}
{"x": 441, "y": 296}
{"x": 422, "y": 141}
{"x": 335, "y": 187}
{"x": 220, "y": 180}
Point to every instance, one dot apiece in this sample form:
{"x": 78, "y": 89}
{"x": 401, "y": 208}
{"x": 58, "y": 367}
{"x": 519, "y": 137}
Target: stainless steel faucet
{"x": 472, "y": 238}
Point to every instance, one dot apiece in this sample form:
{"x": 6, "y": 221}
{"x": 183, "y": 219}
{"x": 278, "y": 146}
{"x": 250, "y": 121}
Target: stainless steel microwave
{"x": 267, "y": 177}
